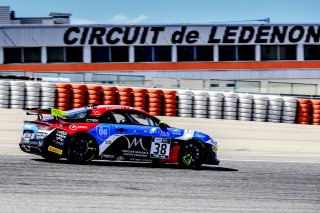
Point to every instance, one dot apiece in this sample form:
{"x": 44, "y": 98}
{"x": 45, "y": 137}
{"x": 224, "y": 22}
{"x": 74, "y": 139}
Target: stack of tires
{"x": 185, "y": 103}
{"x": 4, "y": 94}
{"x": 260, "y": 108}
{"x": 33, "y": 95}
{"x": 78, "y": 95}
{"x": 94, "y": 94}
{"x": 275, "y": 108}
{"x": 230, "y": 106}
{"x": 17, "y": 94}
{"x": 169, "y": 102}
{"x": 109, "y": 95}
{"x": 63, "y": 96}
{"x": 48, "y": 95}
{"x": 215, "y": 104}
{"x": 154, "y": 101}
{"x": 289, "y": 110}
{"x": 200, "y": 104}
{"x": 124, "y": 96}
{"x": 245, "y": 107}
{"x": 303, "y": 111}
{"x": 140, "y": 98}
{"x": 315, "y": 112}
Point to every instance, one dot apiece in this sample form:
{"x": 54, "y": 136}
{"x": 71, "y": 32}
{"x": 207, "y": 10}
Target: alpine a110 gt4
{"x": 114, "y": 132}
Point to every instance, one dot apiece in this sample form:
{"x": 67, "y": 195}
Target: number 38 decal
{"x": 160, "y": 148}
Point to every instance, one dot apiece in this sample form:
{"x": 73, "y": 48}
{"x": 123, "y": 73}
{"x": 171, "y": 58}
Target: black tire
{"x": 82, "y": 148}
{"x": 191, "y": 155}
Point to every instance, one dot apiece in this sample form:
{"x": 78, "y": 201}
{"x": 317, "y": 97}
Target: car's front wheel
{"x": 191, "y": 155}
{"x": 82, "y": 148}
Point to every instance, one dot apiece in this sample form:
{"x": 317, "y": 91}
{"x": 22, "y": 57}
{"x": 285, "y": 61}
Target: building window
{"x": 143, "y": 53}
{"x": 195, "y": 53}
{"x": 74, "y": 54}
{"x": 185, "y": 53}
{"x": 292, "y": 88}
{"x": 227, "y": 53}
{"x": 235, "y": 86}
{"x": 119, "y": 54}
{"x": 278, "y": 52}
{"x": 246, "y": 52}
{"x": 149, "y": 54}
{"x": 55, "y": 54}
{"x": 162, "y": 53}
{"x": 204, "y": 53}
{"x": 12, "y": 55}
{"x": 32, "y": 55}
{"x": 312, "y": 52}
{"x": 100, "y": 54}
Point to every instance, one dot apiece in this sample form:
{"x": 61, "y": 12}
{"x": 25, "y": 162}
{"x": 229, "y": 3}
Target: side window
{"x": 120, "y": 118}
{"x": 141, "y": 119}
{"x": 107, "y": 118}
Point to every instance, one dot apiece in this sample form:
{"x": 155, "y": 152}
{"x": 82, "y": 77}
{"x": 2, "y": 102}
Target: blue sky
{"x": 170, "y": 11}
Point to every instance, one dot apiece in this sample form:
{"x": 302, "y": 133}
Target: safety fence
{"x": 165, "y": 102}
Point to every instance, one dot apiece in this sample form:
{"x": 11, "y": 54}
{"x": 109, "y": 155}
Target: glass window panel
{"x": 162, "y": 53}
{"x": 269, "y": 52}
{"x": 222, "y": 85}
{"x": 227, "y": 53}
{"x": 12, "y": 55}
{"x": 74, "y": 54}
{"x": 312, "y": 52}
{"x": 185, "y": 53}
{"x": 143, "y": 53}
{"x": 304, "y": 89}
{"x": 99, "y": 54}
{"x": 204, "y": 53}
{"x": 279, "y": 88}
{"x": 55, "y": 54}
{"x": 246, "y": 52}
{"x": 248, "y": 86}
{"x": 288, "y": 52}
{"x": 32, "y": 54}
{"x": 120, "y": 54}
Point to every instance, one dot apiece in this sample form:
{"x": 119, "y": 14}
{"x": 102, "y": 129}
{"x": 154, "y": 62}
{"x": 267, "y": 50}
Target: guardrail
{"x": 166, "y": 102}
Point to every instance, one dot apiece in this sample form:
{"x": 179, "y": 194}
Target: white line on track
{"x": 272, "y": 161}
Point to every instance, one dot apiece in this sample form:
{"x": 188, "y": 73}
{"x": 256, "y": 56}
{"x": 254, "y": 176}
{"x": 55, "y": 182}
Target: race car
{"x": 114, "y": 132}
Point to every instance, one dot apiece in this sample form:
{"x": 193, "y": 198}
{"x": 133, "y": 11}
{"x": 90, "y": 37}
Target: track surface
{"x": 258, "y": 178}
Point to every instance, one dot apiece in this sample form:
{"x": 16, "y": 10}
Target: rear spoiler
{"x": 50, "y": 111}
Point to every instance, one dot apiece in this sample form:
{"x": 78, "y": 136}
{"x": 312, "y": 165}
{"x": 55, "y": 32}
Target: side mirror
{"x": 163, "y": 125}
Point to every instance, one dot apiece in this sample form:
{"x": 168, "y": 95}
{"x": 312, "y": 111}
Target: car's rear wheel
{"x": 191, "y": 155}
{"x": 83, "y": 148}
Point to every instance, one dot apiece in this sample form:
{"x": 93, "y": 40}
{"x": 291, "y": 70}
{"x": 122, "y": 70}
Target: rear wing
{"x": 50, "y": 111}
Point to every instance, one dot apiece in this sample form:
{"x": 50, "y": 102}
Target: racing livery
{"x": 114, "y": 132}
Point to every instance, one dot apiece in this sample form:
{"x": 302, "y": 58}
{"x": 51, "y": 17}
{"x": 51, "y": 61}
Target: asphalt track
{"x": 265, "y": 168}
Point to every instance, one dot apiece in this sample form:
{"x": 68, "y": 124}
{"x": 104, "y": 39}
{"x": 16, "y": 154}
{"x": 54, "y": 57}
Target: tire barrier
{"x": 260, "y": 108}
{"x": 315, "y": 112}
{"x": 48, "y": 95}
{"x": 93, "y": 94}
{"x": 185, "y": 103}
{"x": 200, "y": 104}
{"x": 63, "y": 96}
{"x": 32, "y": 94}
{"x": 230, "y": 106}
{"x": 154, "y": 101}
{"x": 289, "y": 110}
{"x": 303, "y": 111}
{"x": 5, "y": 94}
{"x": 215, "y": 105}
{"x": 139, "y": 98}
{"x": 20, "y": 94}
{"x": 275, "y": 109}
{"x": 109, "y": 95}
{"x": 169, "y": 102}
{"x": 17, "y": 95}
{"x": 245, "y": 110}
{"x": 79, "y": 95}
{"x": 124, "y": 96}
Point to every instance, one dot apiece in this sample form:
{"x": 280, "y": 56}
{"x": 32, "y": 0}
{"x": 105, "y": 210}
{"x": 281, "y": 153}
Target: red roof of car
{"x": 100, "y": 109}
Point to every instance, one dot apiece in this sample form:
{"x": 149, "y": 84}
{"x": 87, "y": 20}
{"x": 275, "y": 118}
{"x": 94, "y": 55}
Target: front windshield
{"x": 76, "y": 114}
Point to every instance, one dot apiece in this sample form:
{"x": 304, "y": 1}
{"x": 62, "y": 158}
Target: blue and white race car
{"x": 114, "y": 132}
